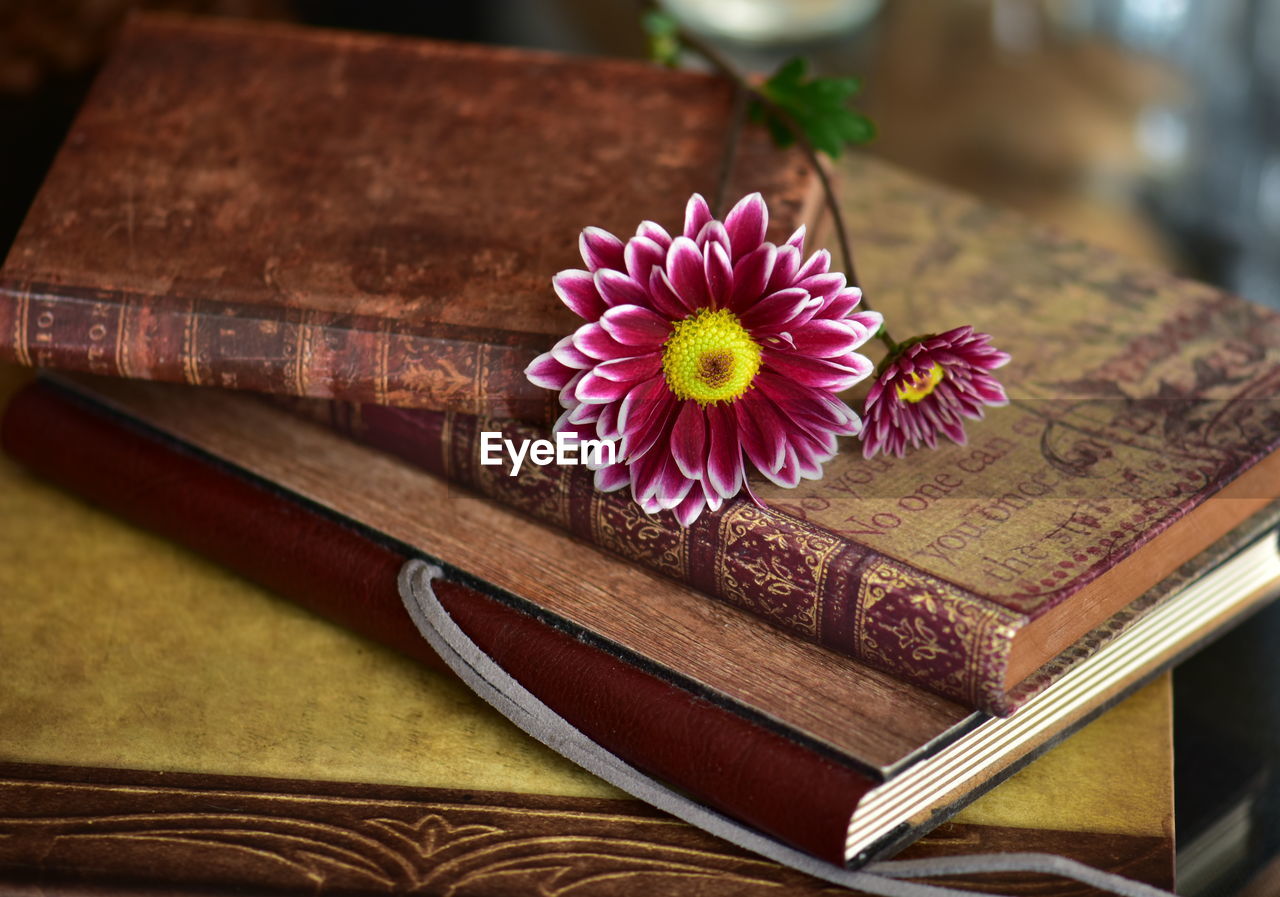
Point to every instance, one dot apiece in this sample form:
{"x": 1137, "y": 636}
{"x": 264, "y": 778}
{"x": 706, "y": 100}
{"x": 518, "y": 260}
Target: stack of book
{"x": 365, "y": 229}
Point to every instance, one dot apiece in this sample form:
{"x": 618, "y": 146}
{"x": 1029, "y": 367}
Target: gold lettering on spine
{"x": 20, "y": 346}
{"x": 480, "y": 379}
{"x": 190, "y": 334}
{"x": 39, "y": 348}
{"x": 381, "y": 384}
{"x": 124, "y": 364}
{"x": 302, "y": 353}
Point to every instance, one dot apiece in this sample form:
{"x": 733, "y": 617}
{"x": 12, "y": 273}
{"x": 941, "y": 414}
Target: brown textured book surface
{"x": 124, "y": 765}
{"x": 329, "y": 214}
{"x": 1144, "y": 425}
{"x": 835, "y": 708}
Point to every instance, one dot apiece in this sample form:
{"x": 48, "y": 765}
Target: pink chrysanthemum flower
{"x": 928, "y": 386}
{"x": 705, "y": 355}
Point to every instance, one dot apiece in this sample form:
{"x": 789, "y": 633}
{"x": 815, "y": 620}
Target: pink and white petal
{"x": 746, "y": 223}
{"x": 655, "y": 232}
{"x": 640, "y": 402}
{"x": 871, "y": 320}
{"x": 673, "y": 486}
{"x": 652, "y": 427}
{"x": 547, "y": 372}
{"x": 644, "y": 481}
{"x": 761, "y": 430}
{"x": 577, "y": 290}
{"x": 619, "y": 289}
{"x": 779, "y": 340}
{"x": 593, "y": 389}
{"x": 822, "y": 338}
{"x": 815, "y": 409}
{"x": 776, "y": 310}
{"x": 563, "y": 423}
{"x": 696, "y": 215}
{"x": 724, "y": 455}
{"x": 593, "y": 341}
{"x": 635, "y": 325}
{"x": 600, "y": 249}
{"x": 784, "y": 269}
{"x": 613, "y": 477}
{"x": 843, "y": 303}
{"x": 990, "y": 390}
{"x": 751, "y": 276}
{"x": 598, "y": 454}
{"x": 649, "y": 505}
{"x": 954, "y": 432}
{"x": 822, "y": 285}
{"x": 656, "y": 477}
{"x": 788, "y": 473}
{"x": 860, "y": 364}
{"x": 663, "y": 297}
{"x": 797, "y": 239}
{"x": 712, "y": 232}
{"x": 642, "y": 255}
{"x": 568, "y": 355}
{"x": 567, "y": 399}
{"x": 631, "y": 370}
{"x": 815, "y": 372}
{"x": 874, "y": 393}
{"x": 685, "y": 272}
{"x": 810, "y": 461}
{"x": 818, "y": 263}
{"x": 689, "y": 440}
{"x": 714, "y": 499}
{"x": 584, "y": 414}
{"x": 718, "y": 274}
{"x": 872, "y": 441}
{"x": 691, "y": 508}
{"x": 607, "y": 424}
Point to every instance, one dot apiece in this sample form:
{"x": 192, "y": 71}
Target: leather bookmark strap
{"x": 496, "y": 687}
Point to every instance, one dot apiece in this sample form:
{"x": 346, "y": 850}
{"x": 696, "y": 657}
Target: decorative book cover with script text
{"x": 1135, "y": 396}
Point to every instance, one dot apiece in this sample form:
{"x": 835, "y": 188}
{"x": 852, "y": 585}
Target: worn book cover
{"x": 365, "y": 217}
{"x": 877, "y": 761}
{"x": 1144, "y": 423}
{"x": 296, "y": 756}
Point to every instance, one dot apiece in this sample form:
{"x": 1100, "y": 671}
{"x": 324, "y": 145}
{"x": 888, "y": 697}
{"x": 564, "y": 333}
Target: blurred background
{"x": 1149, "y": 126}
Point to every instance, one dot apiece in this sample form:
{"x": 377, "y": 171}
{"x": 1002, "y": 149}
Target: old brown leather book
{"x": 327, "y": 214}
{"x": 376, "y": 219}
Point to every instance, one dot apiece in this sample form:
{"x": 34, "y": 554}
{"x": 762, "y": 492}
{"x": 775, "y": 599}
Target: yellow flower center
{"x": 710, "y": 357}
{"x": 919, "y": 385}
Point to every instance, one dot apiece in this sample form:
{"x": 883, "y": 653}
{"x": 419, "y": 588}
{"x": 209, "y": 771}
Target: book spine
{"x": 267, "y": 349}
{"x": 349, "y": 575}
{"x": 804, "y": 579}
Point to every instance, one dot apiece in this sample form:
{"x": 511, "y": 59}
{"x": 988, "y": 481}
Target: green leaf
{"x": 664, "y": 37}
{"x": 817, "y": 106}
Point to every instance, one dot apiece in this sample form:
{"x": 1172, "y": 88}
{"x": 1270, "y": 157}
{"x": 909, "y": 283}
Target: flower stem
{"x": 736, "y": 119}
{"x": 722, "y": 64}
